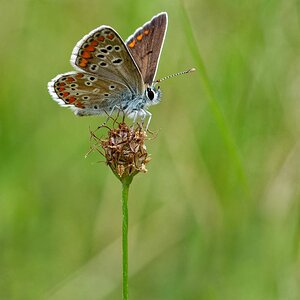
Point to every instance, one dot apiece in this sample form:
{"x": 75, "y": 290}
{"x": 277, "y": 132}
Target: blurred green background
{"x": 218, "y": 214}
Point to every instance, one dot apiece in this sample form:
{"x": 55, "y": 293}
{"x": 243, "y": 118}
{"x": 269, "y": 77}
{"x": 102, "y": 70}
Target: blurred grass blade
{"x": 218, "y": 115}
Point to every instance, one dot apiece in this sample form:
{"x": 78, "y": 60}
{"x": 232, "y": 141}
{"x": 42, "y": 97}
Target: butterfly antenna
{"x": 173, "y": 75}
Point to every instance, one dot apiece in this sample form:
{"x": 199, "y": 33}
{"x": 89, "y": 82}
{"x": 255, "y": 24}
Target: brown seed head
{"x": 125, "y": 150}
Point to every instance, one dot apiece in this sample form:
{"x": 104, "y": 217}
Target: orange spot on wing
{"x": 94, "y": 43}
{"x": 61, "y": 84}
{"x": 70, "y": 79}
{"x": 71, "y": 99}
{"x": 146, "y": 32}
{"x": 79, "y": 104}
{"x": 139, "y": 37}
{"x": 66, "y": 94}
{"x": 79, "y": 75}
{"x": 101, "y": 38}
{"x": 86, "y": 54}
{"x": 83, "y": 62}
{"x": 132, "y": 44}
{"x": 61, "y": 89}
{"x": 89, "y": 48}
{"x": 110, "y": 36}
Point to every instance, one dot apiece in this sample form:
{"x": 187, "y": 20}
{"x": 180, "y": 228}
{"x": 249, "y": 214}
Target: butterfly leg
{"x": 109, "y": 115}
{"x": 149, "y": 119}
{"x": 135, "y": 116}
{"x": 145, "y": 114}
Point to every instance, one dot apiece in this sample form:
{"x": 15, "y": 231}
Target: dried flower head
{"x": 125, "y": 150}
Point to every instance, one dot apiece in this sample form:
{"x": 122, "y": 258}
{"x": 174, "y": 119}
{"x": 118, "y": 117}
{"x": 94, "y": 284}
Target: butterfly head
{"x": 152, "y": 95}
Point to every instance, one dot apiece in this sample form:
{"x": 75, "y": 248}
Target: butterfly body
{"x": 138, "y": 106}
{"x": 113, "y": 75}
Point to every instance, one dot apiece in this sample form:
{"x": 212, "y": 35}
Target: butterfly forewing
{"x": 102, "y": 52}
{"x": 87, "y": 94}
{"x": 145, "y": 46}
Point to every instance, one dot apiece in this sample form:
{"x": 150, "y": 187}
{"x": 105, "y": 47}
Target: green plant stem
{"x": 125, "y": 188}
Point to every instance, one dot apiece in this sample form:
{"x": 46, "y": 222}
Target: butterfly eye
{"x": 150, "y": 94}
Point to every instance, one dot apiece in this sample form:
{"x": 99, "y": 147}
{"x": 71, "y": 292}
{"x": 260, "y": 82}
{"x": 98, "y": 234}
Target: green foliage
{"x": 217, "y": 215}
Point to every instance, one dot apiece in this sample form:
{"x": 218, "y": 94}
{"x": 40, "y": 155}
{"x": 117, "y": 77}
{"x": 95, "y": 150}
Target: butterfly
{"x": 112, "y": 75}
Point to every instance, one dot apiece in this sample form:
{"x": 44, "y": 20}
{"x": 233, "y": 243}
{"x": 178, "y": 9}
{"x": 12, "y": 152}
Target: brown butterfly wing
{"x": 145, "y": 45}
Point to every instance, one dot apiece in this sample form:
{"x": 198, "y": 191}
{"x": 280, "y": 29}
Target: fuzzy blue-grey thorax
{"x": 139, "y": 105}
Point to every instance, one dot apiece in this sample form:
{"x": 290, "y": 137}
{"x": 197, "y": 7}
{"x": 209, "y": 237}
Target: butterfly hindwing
{"x": 87, "y": 94}
{"x": 145, "y": 46}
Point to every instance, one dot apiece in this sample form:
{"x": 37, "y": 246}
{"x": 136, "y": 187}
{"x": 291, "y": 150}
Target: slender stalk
{"x": 125, "y": 188}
